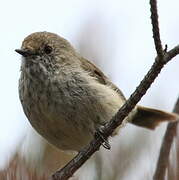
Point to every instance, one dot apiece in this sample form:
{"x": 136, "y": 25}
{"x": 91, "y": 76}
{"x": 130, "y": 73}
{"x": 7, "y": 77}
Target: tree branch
{"x": 163, "y": 159}
{"x": 162, "y": 58}
{"x": 68, "y": 170}
{"x": 155, "y": 28}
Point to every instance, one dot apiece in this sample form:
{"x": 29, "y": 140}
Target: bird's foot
{"x": 99, "y": 133}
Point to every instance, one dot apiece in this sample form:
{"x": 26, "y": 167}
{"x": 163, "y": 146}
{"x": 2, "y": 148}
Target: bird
{"x": 67, "y": 99}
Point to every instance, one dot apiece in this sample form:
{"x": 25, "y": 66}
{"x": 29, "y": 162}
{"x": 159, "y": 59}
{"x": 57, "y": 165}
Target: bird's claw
{"x": 105, "y": 143}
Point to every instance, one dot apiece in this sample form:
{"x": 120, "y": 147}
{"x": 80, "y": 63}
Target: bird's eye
{"x": 47, "y": 49}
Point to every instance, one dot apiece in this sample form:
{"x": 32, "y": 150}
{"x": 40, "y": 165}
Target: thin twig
{"x": 117, "y": 120}
{"x": 163, "y": 159}
{"x": 161, "y": 60}
{"x": 171, "y": 54}
{"x": 155, "y": 28}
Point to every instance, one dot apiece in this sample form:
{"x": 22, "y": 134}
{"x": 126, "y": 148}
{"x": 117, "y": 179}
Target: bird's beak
{"x": 25, "y": 52}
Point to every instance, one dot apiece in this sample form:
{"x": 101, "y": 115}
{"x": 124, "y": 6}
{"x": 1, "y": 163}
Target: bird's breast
{"x": 67, "y": 110}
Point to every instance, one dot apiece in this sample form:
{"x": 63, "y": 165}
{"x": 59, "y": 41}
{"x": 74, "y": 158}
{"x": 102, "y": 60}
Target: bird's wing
{"x": 99, "y": 75}
{"x": 144, "y": 117}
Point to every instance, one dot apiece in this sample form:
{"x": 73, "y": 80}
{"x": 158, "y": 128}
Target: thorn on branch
{"x": 166, "y": 48}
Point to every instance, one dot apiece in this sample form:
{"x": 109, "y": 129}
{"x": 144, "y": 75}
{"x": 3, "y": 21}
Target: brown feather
{"x": 144, "y": 117}
{"x": 99, "y": 75}
{"x": 151, "y": 118}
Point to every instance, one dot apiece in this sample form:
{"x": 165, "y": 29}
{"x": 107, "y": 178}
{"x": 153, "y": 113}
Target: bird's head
{"x": 45, "y": 49}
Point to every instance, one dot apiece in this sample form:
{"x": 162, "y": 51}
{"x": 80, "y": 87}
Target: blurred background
{"x": 117, "y": 36}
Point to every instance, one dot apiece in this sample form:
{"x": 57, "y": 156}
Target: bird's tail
{"x": 150, "y": 118}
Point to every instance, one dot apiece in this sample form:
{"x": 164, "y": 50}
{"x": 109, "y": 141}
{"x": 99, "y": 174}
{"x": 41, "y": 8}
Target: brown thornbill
{"x": 66, "y": 98}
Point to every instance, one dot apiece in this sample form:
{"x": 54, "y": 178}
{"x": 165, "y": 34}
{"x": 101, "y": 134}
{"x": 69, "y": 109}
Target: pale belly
{"x": 68, "y": 117}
